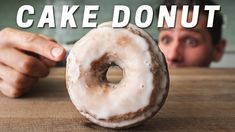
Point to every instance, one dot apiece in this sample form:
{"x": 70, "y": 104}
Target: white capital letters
{"x": 164, "y": 13}
{"x": 47, "y": 17}
{"x": 184, "y": 19}
{"x": 149, "y": 18}
{"x": 116, "y": 15}
{"x": 211, "y": 14}
{"x": 20, "y": 14}
{"x": 67, "y": 16}
{"x": 88, "y": 15}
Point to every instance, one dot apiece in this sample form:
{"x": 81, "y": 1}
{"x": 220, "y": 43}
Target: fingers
{"x": 47, "y": 62}
{"x": 33, "y": 43}
{"x": 10, "y": 91}
{"x": 48, "y": 38}
{"x": 23, "y": 63}
{"x": 14, "y": 84}
{"x": 16, "y": 79}
{"x": 24, "y": 58}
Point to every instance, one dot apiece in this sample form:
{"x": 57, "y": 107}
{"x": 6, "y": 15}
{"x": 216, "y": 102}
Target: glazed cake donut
{"x": 142, "y": 89}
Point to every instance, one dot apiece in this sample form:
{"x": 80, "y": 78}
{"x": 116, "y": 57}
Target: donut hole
{"x": 114, "y": 74}
{"x": 105, "y": 71}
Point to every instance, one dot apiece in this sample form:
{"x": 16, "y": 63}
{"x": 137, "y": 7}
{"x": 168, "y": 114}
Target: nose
{"x": 174, "y": 56}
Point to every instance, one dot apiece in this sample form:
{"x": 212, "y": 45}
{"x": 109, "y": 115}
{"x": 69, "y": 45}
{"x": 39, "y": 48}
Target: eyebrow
{"x": 184, "y": 29}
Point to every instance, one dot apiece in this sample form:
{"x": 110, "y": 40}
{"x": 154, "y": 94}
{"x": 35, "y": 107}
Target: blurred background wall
{"x": 66, "y": 36}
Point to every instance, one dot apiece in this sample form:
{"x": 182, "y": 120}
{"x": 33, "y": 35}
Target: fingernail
{"x": 56, "y": 52}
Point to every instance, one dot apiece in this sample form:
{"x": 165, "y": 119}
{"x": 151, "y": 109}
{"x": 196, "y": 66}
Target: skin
{"x": 24, "y": 58}
{"x": 190, "y": 47}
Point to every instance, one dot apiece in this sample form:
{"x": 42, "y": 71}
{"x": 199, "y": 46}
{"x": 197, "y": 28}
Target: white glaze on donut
{"x": 129, "y": 48}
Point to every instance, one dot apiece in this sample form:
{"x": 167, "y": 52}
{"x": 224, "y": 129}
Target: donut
{"x": 140, "y": 93}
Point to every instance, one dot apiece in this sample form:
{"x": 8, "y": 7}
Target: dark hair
{"x": 216, "y": 30}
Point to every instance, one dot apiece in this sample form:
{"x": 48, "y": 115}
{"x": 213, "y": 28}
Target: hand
{"x": 24, "y": 58}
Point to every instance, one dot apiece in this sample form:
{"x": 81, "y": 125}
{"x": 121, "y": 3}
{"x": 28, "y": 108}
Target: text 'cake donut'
{"x": 142, "y": 89}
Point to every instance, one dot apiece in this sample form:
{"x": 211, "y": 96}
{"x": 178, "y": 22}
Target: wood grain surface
{"x": 198, "y": 100}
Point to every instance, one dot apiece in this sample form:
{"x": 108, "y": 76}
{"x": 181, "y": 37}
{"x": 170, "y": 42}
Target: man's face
{"x": 183, "y": 47}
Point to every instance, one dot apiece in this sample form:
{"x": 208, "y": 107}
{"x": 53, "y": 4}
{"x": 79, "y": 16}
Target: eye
{"x": 190, "y": 42}
{"x": 166, "y": 40}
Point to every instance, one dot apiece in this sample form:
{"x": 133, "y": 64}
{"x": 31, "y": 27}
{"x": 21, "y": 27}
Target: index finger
{"x": 33, "y": 43}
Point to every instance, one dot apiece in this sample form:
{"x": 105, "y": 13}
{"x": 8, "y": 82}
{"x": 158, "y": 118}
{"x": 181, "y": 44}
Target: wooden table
{"x": 198, "y": 100}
